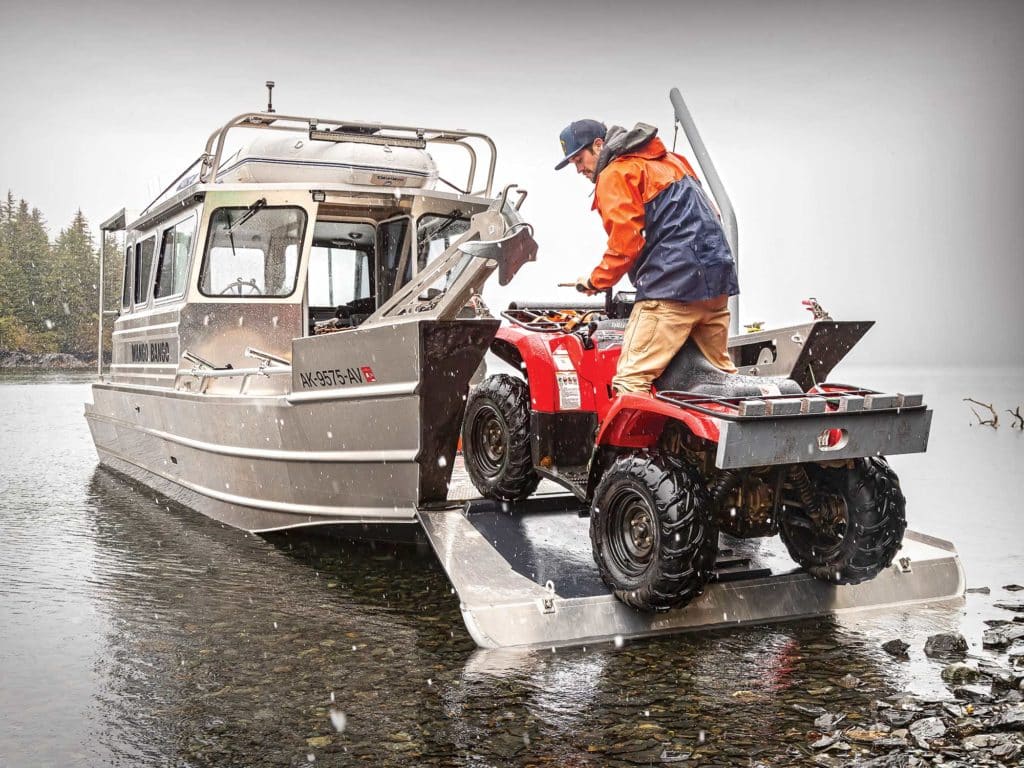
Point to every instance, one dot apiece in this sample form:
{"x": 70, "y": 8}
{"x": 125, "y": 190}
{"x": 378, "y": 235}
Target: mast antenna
{"x": 270, "y": 96}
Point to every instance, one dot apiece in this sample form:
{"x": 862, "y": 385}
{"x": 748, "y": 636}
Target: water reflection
{"x": 223, "y": 641}
{"x": 224, "y": 647}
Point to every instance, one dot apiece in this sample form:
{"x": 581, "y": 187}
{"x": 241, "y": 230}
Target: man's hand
{"x": 583, "y": 285}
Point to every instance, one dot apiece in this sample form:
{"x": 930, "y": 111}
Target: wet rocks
{"x": 960, "y": 673}
{"x": 1013, "y": 588}
{"x": 973, "y": 693}
{"x": 899, "y": 718}
{"x": 978, "y": 591}
{"x": 812, "y": 711}
{"x": 1002, "y": 636}
{"x": 828, "y": 721}
{"x": 927, "y": 728}
{"x": 1011, "y": 719}
{"x": 1010, "y": 605}
{"x": 946, "y": 645}
{"x": 868, "y": 735}
{"x": 849, "y": 682}
{"x": 896, "y": 648}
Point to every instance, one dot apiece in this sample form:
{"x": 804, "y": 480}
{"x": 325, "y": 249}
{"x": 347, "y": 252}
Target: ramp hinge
{"x": 904, "y": 565}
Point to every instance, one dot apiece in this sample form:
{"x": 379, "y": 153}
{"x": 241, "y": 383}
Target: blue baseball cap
{"x": 578, "y": 136}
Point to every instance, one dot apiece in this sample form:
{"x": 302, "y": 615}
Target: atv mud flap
{"x": 525, "y": 576}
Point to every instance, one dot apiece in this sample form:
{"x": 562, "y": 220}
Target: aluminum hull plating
{"x": 366, "y": 453}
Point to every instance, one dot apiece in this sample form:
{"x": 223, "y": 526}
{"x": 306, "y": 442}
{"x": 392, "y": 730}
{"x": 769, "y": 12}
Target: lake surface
{"x": 135, "y": 632}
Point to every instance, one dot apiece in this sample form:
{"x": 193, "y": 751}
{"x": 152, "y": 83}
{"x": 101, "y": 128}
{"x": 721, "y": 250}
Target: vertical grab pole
{"x": 99, "y": 336}
{"x": 717, "y": 190}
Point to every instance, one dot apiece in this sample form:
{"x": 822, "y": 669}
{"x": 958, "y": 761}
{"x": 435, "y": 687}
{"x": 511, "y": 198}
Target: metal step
{"x": 525, "y": 575}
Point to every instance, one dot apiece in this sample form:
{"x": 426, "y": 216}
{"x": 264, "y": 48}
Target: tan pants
{"x": 658, "y": 328}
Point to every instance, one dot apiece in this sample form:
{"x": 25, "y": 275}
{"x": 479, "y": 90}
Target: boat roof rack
{"x": 321, "y": 129}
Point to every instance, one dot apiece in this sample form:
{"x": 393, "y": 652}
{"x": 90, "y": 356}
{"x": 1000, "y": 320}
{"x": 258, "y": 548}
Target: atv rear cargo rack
{"x": 827, "y": 399}
{"x": 834, "y": 422}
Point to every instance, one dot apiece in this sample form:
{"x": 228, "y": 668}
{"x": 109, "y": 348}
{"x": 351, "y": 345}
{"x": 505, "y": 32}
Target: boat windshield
{"x": 252, "y": 252}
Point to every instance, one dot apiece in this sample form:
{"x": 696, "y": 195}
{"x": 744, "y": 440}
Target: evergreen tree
{"x": 70, "y": 292}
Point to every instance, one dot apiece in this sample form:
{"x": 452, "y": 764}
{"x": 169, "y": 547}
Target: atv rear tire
{"x": 857, "y": 528}
{"x": 652, "y": 533}
{"x": 496, "y": 439}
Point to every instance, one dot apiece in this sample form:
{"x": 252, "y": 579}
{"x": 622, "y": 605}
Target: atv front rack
{"x": 547, "y": 320}
{"x": 833, "y": 422}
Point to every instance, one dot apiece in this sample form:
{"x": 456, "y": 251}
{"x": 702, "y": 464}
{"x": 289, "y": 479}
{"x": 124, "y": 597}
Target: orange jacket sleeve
{"x": 619, "y": 200}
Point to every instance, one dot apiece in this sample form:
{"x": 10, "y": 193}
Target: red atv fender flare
{"x": 637, "y": 421}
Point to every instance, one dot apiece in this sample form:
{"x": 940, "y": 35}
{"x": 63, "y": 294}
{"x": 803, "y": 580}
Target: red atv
{"x": 746, "y": 454}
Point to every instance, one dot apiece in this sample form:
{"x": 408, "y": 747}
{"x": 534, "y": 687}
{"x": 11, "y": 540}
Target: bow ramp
{"x": 525, "y": 576}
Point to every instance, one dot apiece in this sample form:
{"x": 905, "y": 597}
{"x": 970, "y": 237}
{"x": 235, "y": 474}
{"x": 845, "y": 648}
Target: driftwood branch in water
{"x": 993, "y": 422}
{"x": 1018, "y": 420}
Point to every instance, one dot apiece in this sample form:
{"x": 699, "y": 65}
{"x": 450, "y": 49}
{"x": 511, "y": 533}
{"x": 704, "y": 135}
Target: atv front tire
{"x": 496, "y": 439}
{"x": 652, "y": 533}
{"x": 857, "y": 525}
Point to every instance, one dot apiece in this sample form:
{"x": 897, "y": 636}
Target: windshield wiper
{"x": 249, "y": 213}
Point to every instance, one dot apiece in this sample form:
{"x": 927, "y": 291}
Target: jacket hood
{"x": 618, "y": 142}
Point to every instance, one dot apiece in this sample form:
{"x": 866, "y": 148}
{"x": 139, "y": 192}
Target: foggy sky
{"x": 872, "y": 150}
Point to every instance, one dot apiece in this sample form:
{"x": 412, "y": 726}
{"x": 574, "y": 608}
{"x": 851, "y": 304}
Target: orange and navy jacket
{"x": 661, "y": 228}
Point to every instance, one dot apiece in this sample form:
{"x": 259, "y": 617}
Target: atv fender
{"x": 637, "y": 421}
{"x": 531, "y": 354}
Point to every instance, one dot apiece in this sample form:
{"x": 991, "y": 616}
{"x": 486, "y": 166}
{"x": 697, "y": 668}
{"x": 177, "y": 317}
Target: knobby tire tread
{"x": 680, "y": 570}
{"x": 511, "y": 398}
{"x": 877, "y": 522}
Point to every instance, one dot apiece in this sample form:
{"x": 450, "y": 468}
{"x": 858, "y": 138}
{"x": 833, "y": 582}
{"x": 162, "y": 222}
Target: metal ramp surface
{"x": 525, "y": 576}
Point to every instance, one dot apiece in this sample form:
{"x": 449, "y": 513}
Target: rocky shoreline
{"x": 982, "y": 724}
{"x": 49, "y": 361}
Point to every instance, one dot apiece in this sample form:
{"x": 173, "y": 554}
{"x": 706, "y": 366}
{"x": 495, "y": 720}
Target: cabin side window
{"x": 172, "y": 265}
{"x": 252, "y": 252}
{"x": 126, "y": 294}
{"x": 143, "y": 267}
{"x": 435, "y": 234}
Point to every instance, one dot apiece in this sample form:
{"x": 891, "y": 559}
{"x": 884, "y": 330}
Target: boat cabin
{"x": 310, "y": 227}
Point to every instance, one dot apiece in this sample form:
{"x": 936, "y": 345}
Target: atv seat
{"x": 690, "y": 371}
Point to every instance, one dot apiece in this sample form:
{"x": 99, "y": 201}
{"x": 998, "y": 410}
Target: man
{"x": 664, "y": 233}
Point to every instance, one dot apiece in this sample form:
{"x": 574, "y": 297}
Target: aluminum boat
{"x": 299, "y": 325}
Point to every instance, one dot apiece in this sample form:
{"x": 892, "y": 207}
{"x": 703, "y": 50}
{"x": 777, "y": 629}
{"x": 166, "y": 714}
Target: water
{"x": 134, "y": 632}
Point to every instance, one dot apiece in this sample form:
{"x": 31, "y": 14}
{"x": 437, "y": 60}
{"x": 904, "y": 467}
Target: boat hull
{"x": 339, "y": 451}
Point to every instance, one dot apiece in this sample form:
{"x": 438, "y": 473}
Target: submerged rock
{"x": 978, "y": 591}
{"x": 896, "y": 648}
{"x": 946, "y": 645}
{"x": 1016, "y": 605}
{"x": 1013, "y": 587}
{"x": 960, "y": 673}
{"x": 849, "y": 682}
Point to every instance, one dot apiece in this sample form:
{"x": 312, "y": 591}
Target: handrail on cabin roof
{"x": 211, "y": 158}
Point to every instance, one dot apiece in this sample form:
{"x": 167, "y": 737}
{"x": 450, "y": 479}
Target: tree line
{"x": 49, "y": 289}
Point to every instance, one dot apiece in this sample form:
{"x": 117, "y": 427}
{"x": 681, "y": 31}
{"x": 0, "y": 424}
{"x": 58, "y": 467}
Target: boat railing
{"x": 321, "y": 129}
{"x": 205, "y": 371}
